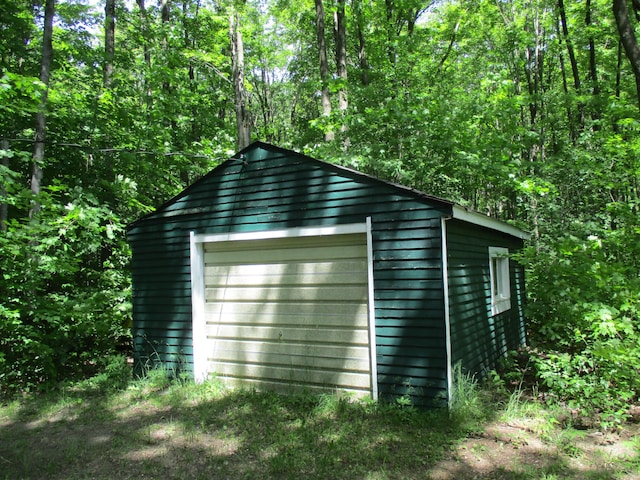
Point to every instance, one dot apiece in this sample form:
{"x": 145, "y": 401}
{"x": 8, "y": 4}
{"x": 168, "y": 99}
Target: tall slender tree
{"x": 41, "y": 116}
{"x": 325, "y": 99}
{"x": 4, "y": 207}
{"x": 340, "y": 24}
{"x": 362, "y": 43}
{"x": 577, "y": 82}
{"x": 243, "y": 121}
{"x": 593, "y": 71}
{"x": 109, "y": 41}
{"x": 628, "y": 39}
{"x": 145, "y": 30}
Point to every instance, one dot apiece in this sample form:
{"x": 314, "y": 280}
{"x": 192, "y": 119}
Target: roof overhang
{"x": 475, "y": 218}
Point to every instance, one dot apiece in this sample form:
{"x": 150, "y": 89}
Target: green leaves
{"x": 476, "y": 102}
{"x": 67, "y": 294}
{"x": 584, "y": 312}
{"x": 19, "y": 94}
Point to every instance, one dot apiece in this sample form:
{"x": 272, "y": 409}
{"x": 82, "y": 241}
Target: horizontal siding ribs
{"x": 478, "y": 340}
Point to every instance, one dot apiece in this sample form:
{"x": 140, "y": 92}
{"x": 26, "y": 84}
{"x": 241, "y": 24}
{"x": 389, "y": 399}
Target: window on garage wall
{"x": 500, "y": 282}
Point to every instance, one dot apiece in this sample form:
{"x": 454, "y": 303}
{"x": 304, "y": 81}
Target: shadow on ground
{"x": 189, "y": 433}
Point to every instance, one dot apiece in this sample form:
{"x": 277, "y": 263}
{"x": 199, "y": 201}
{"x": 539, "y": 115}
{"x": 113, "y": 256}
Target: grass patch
{"x": 182, "y": 430}
{"x": 163, "y": 428}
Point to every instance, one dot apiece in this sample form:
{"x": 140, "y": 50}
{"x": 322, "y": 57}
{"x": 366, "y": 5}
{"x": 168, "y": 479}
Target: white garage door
{"x": 289, "y": 312}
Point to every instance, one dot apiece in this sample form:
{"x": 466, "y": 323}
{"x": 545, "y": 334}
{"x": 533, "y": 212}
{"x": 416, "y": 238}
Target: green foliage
{"x": 113, "y": 374}
{"x": 476, "y": 102}
{"x": 19, "y": 94}
{"x": 584, "y": 312}
{"x": 66, "y": 291}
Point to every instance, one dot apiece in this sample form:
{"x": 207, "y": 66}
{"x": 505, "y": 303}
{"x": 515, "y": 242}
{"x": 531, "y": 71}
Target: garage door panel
{"x": 307, "y": 314}
{"x": 324, "y": 242}
{"x": 294, "y": 273}
{"x": 292, "y": 311}
{"x": 289, "y": 334}
{"x": 330, "y": 358}
{"x": 233, "y": 350}
{"x": 284, "y": 387}
{"x": 287, "y": 293}
{"x": 245, "y": 257}
{"x": 296, "y": 376}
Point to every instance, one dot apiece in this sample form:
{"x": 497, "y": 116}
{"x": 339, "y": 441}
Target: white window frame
{"x": 499, "y": 279}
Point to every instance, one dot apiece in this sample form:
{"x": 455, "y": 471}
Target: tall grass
{"x": 468, "y": 405}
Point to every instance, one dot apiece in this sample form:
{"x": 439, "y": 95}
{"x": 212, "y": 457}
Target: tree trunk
{"x": 109, "y": 53}
{"x": 148, "y": 98}
{"x": 593, "y": 72}
{"x": 592, "y": 54}
{"x": 572, "y": 60}
{"x": 362, "y": 51}
{"x": 413, "y": 15}
{"x": 243, "y": 126}
{"x": 145, "y": 32}
{"x": 324, "y": 68}
{"x": 636, "y": 8}
{"x": 191, "y": 43}
{"x": 165, "y": 15}
{"x": 41, "y": 117}
{"x": 628, "y": 39}
{"x": 109, "y": 41}
{"x": 577, "y": 84}
{"x": 452, "y": 42}
{"x": 263, "y": 92}
{"x": 570, "y": 51}
{"x": 4, "y": 208}
{"x": 532, "y": 84}
{"x": 341, "y": 66}
{"x": 565, "y": 88}
{"x": 391, "y": 32}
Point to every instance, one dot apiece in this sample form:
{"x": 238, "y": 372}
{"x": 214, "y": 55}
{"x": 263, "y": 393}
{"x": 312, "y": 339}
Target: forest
{"x": 528, "y": 111}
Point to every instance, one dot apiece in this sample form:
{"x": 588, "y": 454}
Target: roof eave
{"x": 465, "y": 215}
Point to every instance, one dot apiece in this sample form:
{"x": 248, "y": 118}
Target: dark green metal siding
{"x": 479, "y": 340}
{"x": 273, "y": 190}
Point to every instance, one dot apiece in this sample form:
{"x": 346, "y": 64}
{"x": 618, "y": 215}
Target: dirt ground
{"x": 512, "y": 451}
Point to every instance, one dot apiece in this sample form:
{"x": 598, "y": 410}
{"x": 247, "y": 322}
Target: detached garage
{"x": 280, "y": 271}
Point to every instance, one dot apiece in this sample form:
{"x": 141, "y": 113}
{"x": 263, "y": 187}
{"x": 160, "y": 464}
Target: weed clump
{"x": 469, "y": 403}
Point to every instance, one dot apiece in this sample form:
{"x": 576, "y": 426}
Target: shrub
{"x": 584, "y": 312}
{"x": 66, "y": 291}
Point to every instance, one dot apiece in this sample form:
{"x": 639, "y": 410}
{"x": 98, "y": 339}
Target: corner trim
{"x": 198, "y": 330}
{"x": 372, "y": 313}
{"x": 447, "y": 320}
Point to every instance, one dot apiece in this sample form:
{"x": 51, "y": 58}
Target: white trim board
{"x": 198, "y": 241}
{"x": 198, "y": 321}
{"x": 447, "y": 319}
{"x": 285, "y": 233}
{"x": 372, "y": 314}
{"x": 461, "y": 213}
